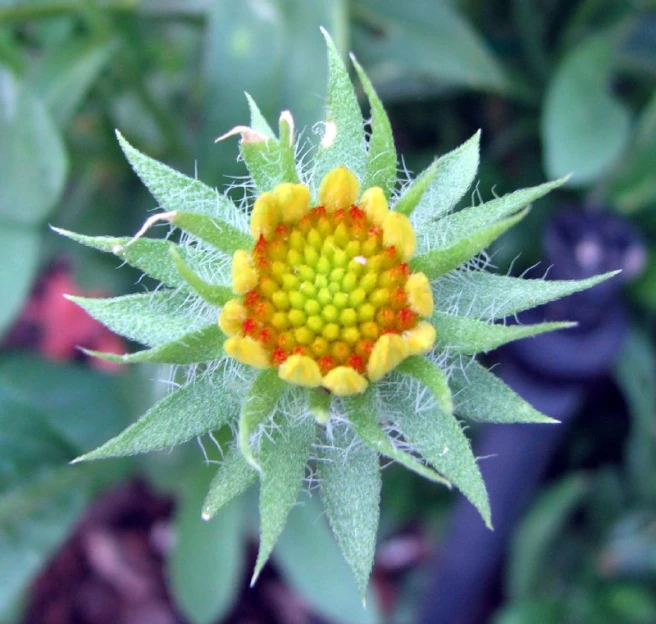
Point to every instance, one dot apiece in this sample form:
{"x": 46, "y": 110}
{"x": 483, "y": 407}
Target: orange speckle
{"x": 326, "y": 364}
{"x": 261, "y": 246}
{"x": 282, "y": 231}
{"x": 279, "y": 356}
{"x": 385, "y": 317}
{"x": 356, "y": 214}
{"x": 251, "y": 298}
{"x": 356, "y": 362}
{"x": 249, "y": 327}
{"x": 406, "y": 319}
{"x": 399, "y": 299}
{"x": 364, "y": 348}
{"x": 300, "y": 350}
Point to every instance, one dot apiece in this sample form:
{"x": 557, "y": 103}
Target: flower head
{"x": 348, "y": 309}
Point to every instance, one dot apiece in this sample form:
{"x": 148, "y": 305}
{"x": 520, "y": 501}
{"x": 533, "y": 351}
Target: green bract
{"x": 410, "y": 415}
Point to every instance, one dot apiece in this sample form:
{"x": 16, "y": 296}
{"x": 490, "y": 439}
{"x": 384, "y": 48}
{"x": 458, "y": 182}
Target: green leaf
{"x": 177, "y": 192}
{"x": 482, "y": 396}
{"x": 349, "y": 475}
{"x": 577, "y": 106}
{"x": 153, "y": 256}
{"x": 439, "y": 438}
{"x": 191, "y": 411}
{"x": 381, "y": 153}
{"x": 469, "y": 336}
{"x": 343, "y": 141}
{"x": 33, "y": 161}
{"x": 413, "y": 194}
{"x": 204, "y": 345}
{"x": 233, "y": 477}
{"x": 206, "y": 563}
{"x": 363, "y": 416}
{"x": 454, "y": 174}
{"x": 486, "y": 296}
{"x": 259, "y": 404}
{"x": 152, "y": 319}
{"x": 262, "y": 158}
{"x": 212, "y": 294}
{"x": 216, "y": 232}
{"x": 287, "y": 155}
{"x": 451, "y": 255}
{"x": 283, "y": 457}
{"x": 258, "y": 122}
{"x": 432, "y": 376}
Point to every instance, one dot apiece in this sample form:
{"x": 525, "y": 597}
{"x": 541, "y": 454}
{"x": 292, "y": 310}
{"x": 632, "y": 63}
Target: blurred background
{"x": 557, "y": 86}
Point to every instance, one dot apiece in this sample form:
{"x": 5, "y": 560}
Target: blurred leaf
{"x": 584, "y": 127}
{"x": 424, "y": 38}
{"x": 33, "y": 161}
{"x": 531, "y": 612}
{"x": 631, "y": 603}
{"x": 205, "y": 566}
{"x": 314, "y": 567}
{"x": 19, "y": 261}
{"x": 539, "y": 528}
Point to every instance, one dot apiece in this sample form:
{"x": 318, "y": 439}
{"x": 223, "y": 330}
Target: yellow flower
{"x": 326, "y": 295}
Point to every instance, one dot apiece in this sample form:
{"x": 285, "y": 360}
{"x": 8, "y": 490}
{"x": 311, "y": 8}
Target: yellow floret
{"x": 244, "y": 274}
{"x": 388, "y": 352}
{"x": 374, "y": 204}
{"x": 420, "y": 339}
{"x": 301, "y": 370}
{"x": 420, "y": 295}
{"x": 293, "y": 200}
{"x": 247, "y": 351}
{"x": 231, "y": 317}
{"x": 266, "y": 216}
{"x": 345, "y": 381}
{"x": 398, "y": 232}
{"x": 338, "y": 189}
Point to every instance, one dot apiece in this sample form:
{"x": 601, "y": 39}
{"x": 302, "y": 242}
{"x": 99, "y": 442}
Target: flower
{"x": 349, "y": 309}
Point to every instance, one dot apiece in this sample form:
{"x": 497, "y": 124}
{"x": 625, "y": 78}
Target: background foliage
{"x": 557, "y": 86}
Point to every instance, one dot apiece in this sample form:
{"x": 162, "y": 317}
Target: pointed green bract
{"x": 283, "y": 458}
{"x": 258, "y": 122}
{"x": 490, "y": 297}
{"x": 176, "y": 191}
{"x": 262, "y": 158}
{"x": 152, "y": 319}
{"x": 451, "y": 255}
{"x": 350, "y": 489}
{"x": 363, "y": 415}
{"x": 212, "y": 294}
{"x": 469, "y": 336}
{"x": 381, "y": 153}
{"x": 432, "y": 376}
{"x": 413, "y": 194}
{"x": 258, "y": 405}
{"x": 287, "y": 156}
{"x": 216, "y": 232}
{"x": 193, "y": 410}
{"x": 343, "y": 142}
{"x": 440, "y": 439}
{"x": 482, "y": 396}
{"x": 233, "y": 477}
{"x": 204, "y": 345}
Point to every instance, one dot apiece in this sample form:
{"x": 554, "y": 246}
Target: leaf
{"x": 454, "y": 174}
{"x": 363, "y": 416}
{"x": 343, "y": 141}
{"x": 33, "y": 161}
{"x": 577, "y": 105}
{"x": 258, "y": 122}
{"x": 283, "y": 458}
{"x": 381, "y": 153}
{"x": 152, "y": 319}
{"x": 412, "y": 196}
{"x": 191, "y": 411}
{"x": 177, "y": 192}
{"x": 439, "y": 438}
{"x": 349, "y": 475}
{"x": 469, "y": 336}
{"x": 262, "y": 158}
{"x": 204, "y": 345}
{"x": 437, "y": 262}
{"x": 486, "y": 296}
{"x": 233, "y": 477}
{"x": 207, "y": 560}
{"x": 216, "y": 232}
{"x": 259, "y": 404}
{"x": 482, "y": 396}
{"x": 211, "y": 293}
{"x": 287, "y": 154}
{"x": 19, "y": 261}
{"x": 432, "y": 376}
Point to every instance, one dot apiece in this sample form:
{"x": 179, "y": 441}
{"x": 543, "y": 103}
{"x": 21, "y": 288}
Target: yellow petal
{"x": 265, "y": 217}
{"x": 244, "y": 274}
{"x": 420, "y": 339}
{"x": 398, "y": 232}
{"x": 247, "y": 351}
{"x": 374, "y": 204}
{"x": 420, "y": 295}
{"x": 293, "y": 200}
{"x": 338, "y": 189}
{"x": 388, "y": 352}
{"x": 232, "y": 315}
{"x": 345, "y": 381}
{"x": 301, "y": 370}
